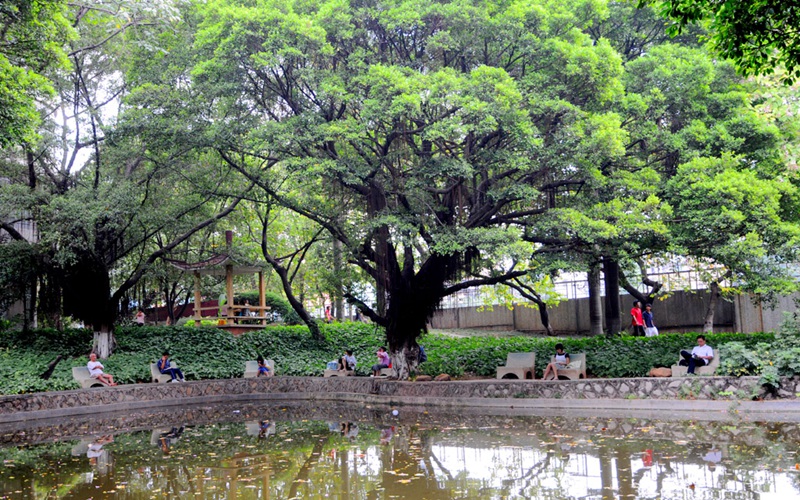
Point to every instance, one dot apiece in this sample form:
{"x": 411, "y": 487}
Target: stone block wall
{"x": 75, "y": 402}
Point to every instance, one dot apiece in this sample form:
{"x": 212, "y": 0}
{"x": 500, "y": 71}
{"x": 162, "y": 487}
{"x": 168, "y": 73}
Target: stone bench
{"x": 709, "y": 369}
{"x": 82, "y": 377}
{"x": 520, "y": 365}
{"x": 160, "y": 378}
{"x": 338, "y": 373}
{"x": 251, "y": 368}
{"x": 576, "y": 369}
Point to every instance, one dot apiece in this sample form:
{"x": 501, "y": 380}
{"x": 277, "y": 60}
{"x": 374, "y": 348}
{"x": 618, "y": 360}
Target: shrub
{"x": 769, "y": 360}
{"x": 207, "y": 352}
{"x": 606, "y": 357}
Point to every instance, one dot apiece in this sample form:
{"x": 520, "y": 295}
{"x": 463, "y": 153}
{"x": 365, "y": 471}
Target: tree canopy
{"x": 420, "y": 147}
{"x": 759, "y": 36}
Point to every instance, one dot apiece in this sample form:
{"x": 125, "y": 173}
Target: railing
{"x": 229, "y": 316}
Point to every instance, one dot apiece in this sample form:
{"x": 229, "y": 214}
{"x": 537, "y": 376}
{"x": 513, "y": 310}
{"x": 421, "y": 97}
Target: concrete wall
{"x": 680, "y": 312}
{"x": 756, "y": 317}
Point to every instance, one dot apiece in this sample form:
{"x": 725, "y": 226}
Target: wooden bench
{"x": 709, "y": 369}
{"x": 576, "y": 369}
{"x": 520, "y": 365}
{"x": 160, "y": 378}
{"x": 81, "y": 376}
{"x": 251, "y": 368}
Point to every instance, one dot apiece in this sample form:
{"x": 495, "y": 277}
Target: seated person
{"x": 701, "y": 355}
{"x": 348, "y": 361}
{"x": 95, "y": 450}
{"x": 263, "y": 367}
{"x": 263, "y": 428}
{"x": 383, "y": 362}
{"x": 163, "y": 367}
{"x": 167, "y": 439}
{"x": 560, "y": 363}
{"x": 96, "y": 371}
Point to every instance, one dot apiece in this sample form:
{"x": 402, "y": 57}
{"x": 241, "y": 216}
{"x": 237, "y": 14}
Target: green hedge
{"x": 606, "y": 357}
{"x": 208, "y": 353}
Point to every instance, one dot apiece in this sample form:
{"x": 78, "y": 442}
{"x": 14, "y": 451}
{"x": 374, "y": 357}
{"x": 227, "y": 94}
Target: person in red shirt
{"x": 636, "y": 319}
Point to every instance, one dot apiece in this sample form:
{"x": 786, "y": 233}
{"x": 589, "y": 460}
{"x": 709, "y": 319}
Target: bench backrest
{"x": 80, "y": 373}
{"x": 154, "y": 367}
{"x": 521, "y": 359}
{"x": 252, "y": 366}
{"x": 573, "y": 357}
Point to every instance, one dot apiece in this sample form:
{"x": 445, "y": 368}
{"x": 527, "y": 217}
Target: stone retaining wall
{"x": 442, "y": 393}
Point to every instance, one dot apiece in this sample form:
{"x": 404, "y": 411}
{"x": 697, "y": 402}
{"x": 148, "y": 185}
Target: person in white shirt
{"x": 348, "y": 361}
{"x": 701, "y": 355}
{"x": 96, "y": 370}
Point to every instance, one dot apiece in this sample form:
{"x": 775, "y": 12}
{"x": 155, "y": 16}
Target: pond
{"x": 272, "y": 451}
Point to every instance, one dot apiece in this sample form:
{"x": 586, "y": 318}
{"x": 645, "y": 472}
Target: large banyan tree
{"x": 422, "y": 135}
{"x": 442, "y": 143}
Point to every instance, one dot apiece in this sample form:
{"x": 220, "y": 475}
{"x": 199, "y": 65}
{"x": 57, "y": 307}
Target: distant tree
{"x": 32, "y": 41}
{"x": 758, "y": 36}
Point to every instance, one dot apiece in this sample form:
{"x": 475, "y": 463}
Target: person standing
{"x": 637, "y": 323}
{"x": 649, "y": 327}
{"x": 328, "y": 315}
{"x": 139, "y": 318}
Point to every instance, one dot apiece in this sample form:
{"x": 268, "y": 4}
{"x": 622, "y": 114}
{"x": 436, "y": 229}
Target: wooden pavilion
{"x": 237, "y": 319}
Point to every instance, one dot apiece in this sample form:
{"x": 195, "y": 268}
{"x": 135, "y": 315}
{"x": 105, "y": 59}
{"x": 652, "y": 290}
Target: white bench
{"x": 81, "y": 376}
{"x": 519, "y": 365}
{"x": 160, "y": 378}
{"x": 576, "y": 369}
{"x": 709, "y": 369}
{"x": 251, "y": 368}
{"x": 338, "y": 373}
{"x": 253, "y": 428}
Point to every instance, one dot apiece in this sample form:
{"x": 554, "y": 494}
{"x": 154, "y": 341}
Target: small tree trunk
{"x": 708, "y": 322}
{"x": 545, "y": 317}
{"x": 338, "y": 303}
{"x": 595, "y": 300}
{"x": 611, "y": 275}
{"x": 104, "y": 341}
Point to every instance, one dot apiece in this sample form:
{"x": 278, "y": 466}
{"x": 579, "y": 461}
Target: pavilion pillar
{"x": 229, "y": 293}
{"x": 198, "y": 300}
{"x": 262, "y": 298}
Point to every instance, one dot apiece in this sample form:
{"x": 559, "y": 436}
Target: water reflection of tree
{"x": 401, "y": 461}
{"x": 299, "y": 451}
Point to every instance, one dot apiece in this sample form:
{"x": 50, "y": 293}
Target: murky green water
{"x": 274, "y": 452}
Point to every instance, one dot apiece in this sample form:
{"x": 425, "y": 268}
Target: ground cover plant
{"x": 209, "y": 353}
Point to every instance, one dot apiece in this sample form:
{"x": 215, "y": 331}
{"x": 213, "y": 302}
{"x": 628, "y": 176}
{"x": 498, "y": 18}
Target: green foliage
{"x": 32, "y": 40}
{"x": 769, "y": 360}
{"x": 759, "y": 35}
{"x": 606, "y": 357}
{"x": 69, "y": 342}
{"x": 210, "y": 353}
